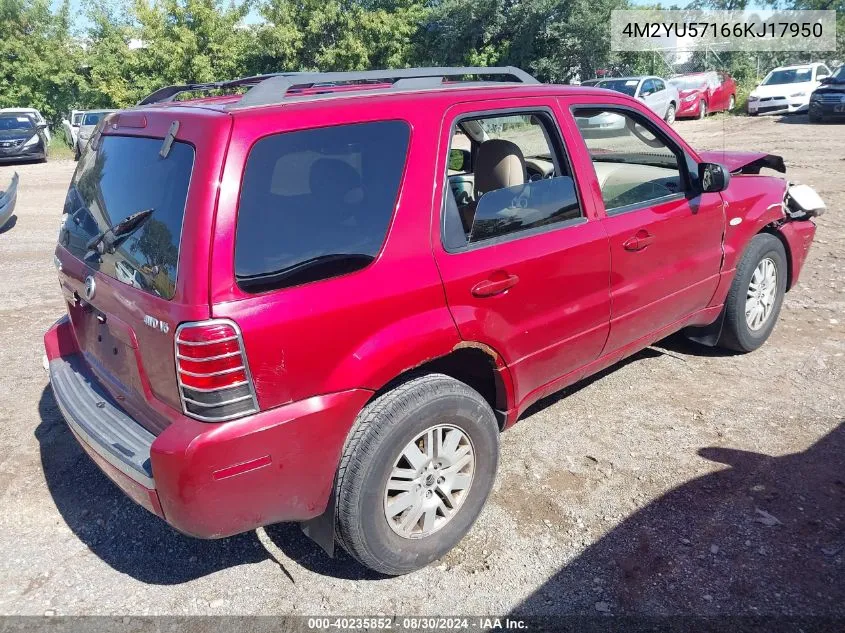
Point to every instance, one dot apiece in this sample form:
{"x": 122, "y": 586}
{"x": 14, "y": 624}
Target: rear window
{"x": 121, "y": 177}
{"x": 317, "y": 203}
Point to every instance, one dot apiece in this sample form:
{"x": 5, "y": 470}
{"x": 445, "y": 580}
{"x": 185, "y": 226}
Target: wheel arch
{"x": 772, "y": 229}
{"x": 475, "y": 364}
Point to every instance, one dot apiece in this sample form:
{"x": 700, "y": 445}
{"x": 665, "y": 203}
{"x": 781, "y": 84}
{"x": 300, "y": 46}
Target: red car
{"x": 324, "y": 306}
{"x": 701, "y": 93}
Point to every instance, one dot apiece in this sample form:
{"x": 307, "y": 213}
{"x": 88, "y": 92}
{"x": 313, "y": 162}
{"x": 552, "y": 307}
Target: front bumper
{"x": 778, "y": 105}
{"x": 689, "y": 108}
{"x": 207, "y": 480}
{"x": 19, "y": 152}
{"x": 827, "y": 109}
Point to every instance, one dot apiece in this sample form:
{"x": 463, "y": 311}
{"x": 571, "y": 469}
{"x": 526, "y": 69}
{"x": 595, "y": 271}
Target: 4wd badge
{"x": 154, "y": 323}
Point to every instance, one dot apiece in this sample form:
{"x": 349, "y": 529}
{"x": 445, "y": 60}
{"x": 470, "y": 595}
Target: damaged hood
{"x": 745, "y": 162}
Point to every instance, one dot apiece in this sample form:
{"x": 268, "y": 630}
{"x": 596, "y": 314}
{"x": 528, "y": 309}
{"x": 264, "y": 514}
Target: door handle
{"x": 639, "y": 241}
{"x": 490, "y": 287}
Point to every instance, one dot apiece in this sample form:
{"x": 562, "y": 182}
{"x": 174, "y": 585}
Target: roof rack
{"x": 274, "y": 88}
{"x": 169, "y": 93}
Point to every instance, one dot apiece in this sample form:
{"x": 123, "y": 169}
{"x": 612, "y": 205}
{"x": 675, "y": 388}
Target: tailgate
{"x": 127, "y": 292}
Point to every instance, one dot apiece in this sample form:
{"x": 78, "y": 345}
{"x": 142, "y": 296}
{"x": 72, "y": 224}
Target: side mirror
{"x": 825, "y": 79}
{"x": 713, "y": 177}
{"x": 459, "y": 160}
{"x": 41, "y": 126}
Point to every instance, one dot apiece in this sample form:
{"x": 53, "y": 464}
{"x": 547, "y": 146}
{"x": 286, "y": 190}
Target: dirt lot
{"x": 683, "y": 481}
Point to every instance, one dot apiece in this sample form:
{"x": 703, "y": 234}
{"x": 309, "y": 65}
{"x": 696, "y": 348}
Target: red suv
{"x": 321, "y": 300}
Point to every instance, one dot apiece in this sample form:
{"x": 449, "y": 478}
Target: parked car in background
{"x": 828, "y": 100}
{"x": 21, "y": 137}
{"x": 655, "y": 92}
{"x": 36, "y": 116}
{"x": 590, "y": 82}
{"x": 8, "y": 198}
{"x": 210, "y": 380}
{"x": 70, "y": 125}
{"x": 87, "y": 125}
{"x": 701, "y": 93}
{"x": 787, "y": 89}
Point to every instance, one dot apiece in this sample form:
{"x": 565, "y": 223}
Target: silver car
{"x": 657, "y": 93}
{"x": 86, "y": 129}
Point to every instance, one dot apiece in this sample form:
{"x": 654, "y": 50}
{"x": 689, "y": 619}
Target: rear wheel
{"x": 415, "y": 473}
{"x": 670, "y": 114}
{"x": 756, "y": 295}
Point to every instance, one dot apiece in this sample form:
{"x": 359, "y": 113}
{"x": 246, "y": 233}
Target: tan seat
{"x": 499, "y": 164}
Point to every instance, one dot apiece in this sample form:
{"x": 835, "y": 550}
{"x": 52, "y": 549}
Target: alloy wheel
{"x": 429, "y": 481}
{"x": 762, "y": 290}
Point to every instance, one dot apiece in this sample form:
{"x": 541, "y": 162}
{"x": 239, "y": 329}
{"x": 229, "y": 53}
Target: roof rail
{"x": 169, "y": 93}
{"x": 274, "y": 88}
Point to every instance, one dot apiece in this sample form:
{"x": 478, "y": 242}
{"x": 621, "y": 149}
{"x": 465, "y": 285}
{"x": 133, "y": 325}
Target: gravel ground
{"x": 682, "y": 481}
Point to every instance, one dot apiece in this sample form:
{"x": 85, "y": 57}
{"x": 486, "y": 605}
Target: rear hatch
{"x": 128, "y": 291}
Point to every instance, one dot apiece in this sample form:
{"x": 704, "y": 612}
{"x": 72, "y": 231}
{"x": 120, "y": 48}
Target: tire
{"x": 814, "y": 118}
{"x": 385, "y": 429}
{"x": 702, "y": 110}
{"x": 731, "y": 103}
{"x": 737, "y": 333}
{"x": 76, "y": 153}
{"x": 670, "y": 114}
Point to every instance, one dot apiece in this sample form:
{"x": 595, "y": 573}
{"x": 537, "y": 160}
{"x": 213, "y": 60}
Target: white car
{"x": 35, "y": 114}
{"x": 787, "y": 89}
{"x": 657, "y": 94}
{"x": 71, "y": 126}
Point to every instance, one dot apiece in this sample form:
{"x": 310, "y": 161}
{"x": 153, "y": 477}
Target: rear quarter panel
{"x": 358, "y": 330}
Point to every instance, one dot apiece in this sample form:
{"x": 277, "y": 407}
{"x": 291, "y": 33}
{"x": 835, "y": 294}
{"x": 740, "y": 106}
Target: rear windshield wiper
{"x": 124, "y": 228}
{"x": 309, "y": 270}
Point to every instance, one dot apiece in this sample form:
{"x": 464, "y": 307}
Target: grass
{"x": 58, "y": 149}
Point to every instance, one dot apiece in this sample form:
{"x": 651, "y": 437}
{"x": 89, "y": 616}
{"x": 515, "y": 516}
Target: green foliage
{"x": 117, "y": 51}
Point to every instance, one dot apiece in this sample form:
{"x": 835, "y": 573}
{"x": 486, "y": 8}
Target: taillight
{"x": 214, "y": 379}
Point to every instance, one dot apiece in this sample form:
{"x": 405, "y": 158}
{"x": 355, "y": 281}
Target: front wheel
{"x": 415, "y": 473}
{"x": 702, "y": 109}
{"x": 756, "y": 295}
{"x": 670, "y": 114}
{"x": 731, "y": 103}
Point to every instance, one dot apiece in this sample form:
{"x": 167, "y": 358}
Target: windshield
{"x": 92, "y": 118}
{"x": 789, "y": 76}
{"x": 689, "y": 83}
{"x": 626, "y": 86}
{"x": 124, "y": 176}
{"x": 16, "y": 122}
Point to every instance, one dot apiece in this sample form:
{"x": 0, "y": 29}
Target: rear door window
{"x": 317, "y": 203}
{"x": 123, "y": 176}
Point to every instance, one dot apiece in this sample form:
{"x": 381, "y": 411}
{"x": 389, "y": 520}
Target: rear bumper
{"x": 208, "y": 480}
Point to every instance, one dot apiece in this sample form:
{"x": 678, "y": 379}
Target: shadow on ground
{"x": 135, "y": 542}
{"x": 139, "y": 544}
{"x": 765, "y": 535}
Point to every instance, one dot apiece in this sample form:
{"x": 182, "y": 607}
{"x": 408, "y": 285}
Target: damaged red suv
{"x": 321, "y": 299}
